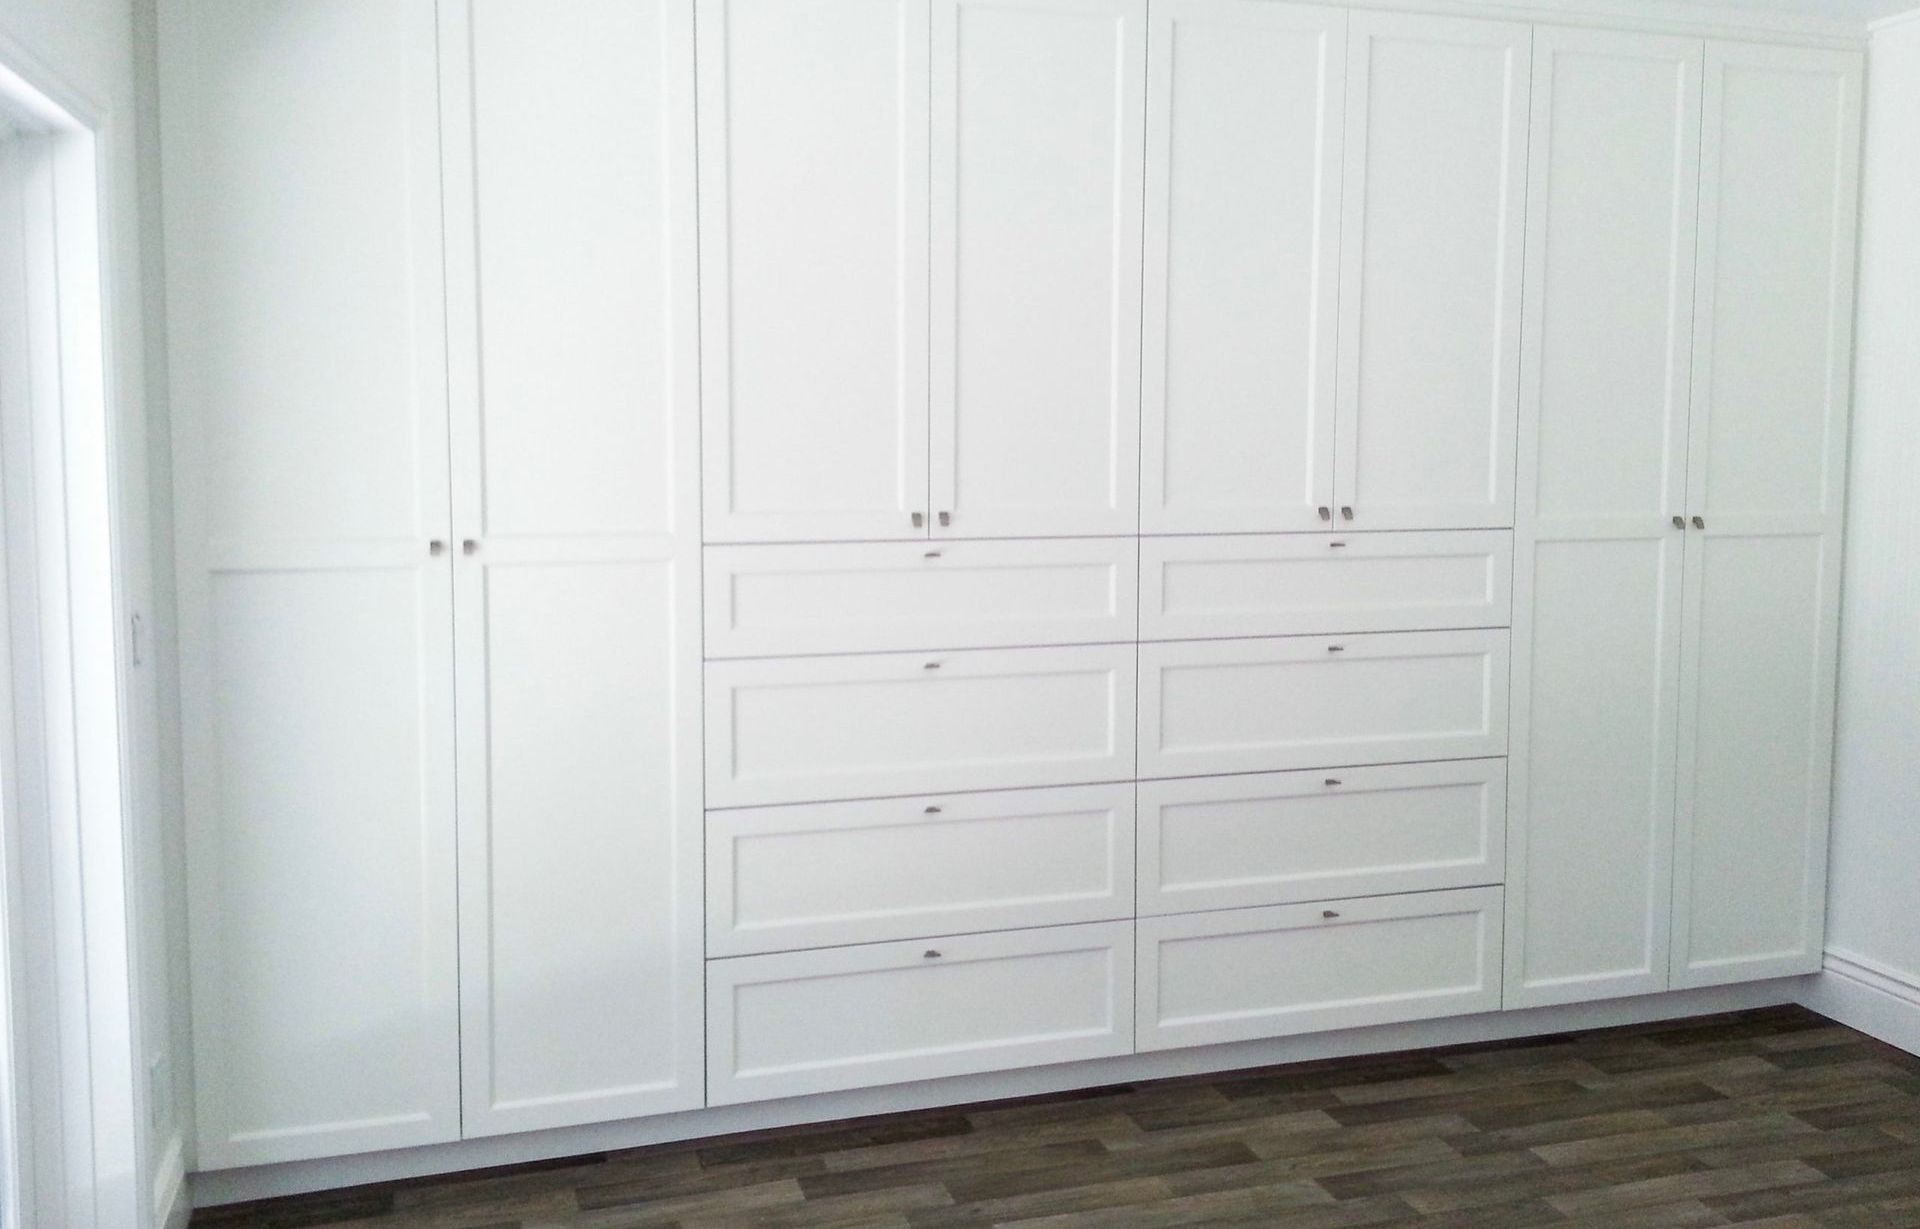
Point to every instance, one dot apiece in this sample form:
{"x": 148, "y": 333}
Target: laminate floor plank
{"x": 1770, "y": 1119}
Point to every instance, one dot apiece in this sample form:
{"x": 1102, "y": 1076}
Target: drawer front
{"x": 811, "y": 729}
{"x": 1217, "y": 706}
{"x": 1279, "y": 837}
{"x": 781, "y": 878}
{"x": 886, "y": 1013}
{"x": 1302, "y": 584}
{"x": 1240, "y": 974}
{"x": 874, "y": 596}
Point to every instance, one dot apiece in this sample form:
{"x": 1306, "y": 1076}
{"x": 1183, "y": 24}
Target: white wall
{"x": 1876, "y": 823}
{"x": 89, "y": 48}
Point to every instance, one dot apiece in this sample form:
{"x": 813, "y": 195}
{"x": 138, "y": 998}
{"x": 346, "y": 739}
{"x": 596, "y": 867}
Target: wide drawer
{"x": 1295, "y": 584}
{"x": 780, "y": 878}
{"x": 811, "y": 729}
{"x": 871, "y": 596}
{"x": 1280, "y": 837}
{"x": 1245, "y": 973}
{"x": 1215, "y": 706}
{"x": 886, "y": 1013}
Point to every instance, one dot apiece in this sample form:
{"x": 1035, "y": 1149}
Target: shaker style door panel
{"x": 764, "y": 601}
{"x": 888, "y": 1013}
{"x": 310, "y": 396}
{"x": 1245, "y": 101}
{"x": 1602, "y": 477}
{"x": 576, "y": 504}
{"x": 1213, "y": 706}
{"x": 807, "y": 729}
{"x": 828, "y": 873}
{"x": 1038, "y": 107}
{"x": 1430, "y": 271}
{"x": 813, "y": 267}
{"x": 1772, "y": 339}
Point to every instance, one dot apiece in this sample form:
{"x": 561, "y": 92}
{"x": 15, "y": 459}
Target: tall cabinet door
{"x": 1602, "y": 477}
{"x": 1245, "y": 101}
{"x": 813, "y": 268}
{"x": 1038, "y": 107}
{"x": 1430, "y": 271}
{"x": 1772, "y": 340}
{"x": 576, "y": 443}
{"x": 309, "y": 390}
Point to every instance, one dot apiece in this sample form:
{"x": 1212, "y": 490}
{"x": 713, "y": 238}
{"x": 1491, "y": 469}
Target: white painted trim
{"x": 1865, "y": 994}
{"x": 237, "y": 1185}
{"x": 1891, "y": 21}
{"x": 1697, "y": 20}
{"x": 171, "y": 1207}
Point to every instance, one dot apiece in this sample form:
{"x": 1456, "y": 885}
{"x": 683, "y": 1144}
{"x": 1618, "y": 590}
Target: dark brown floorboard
{"x": 1778, "y": 1119}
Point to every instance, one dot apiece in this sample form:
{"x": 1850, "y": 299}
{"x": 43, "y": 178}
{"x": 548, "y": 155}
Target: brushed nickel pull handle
{"x": 930, "y": 954}
{"x": 469, "y": 546}
{"x": 931, "y": 811}
{"x": 932, "y": 554}
{"x": 930, "y": 665}
{"x": 919, "y": 520}
{"x": 1329, "y": 913}
{"x": 1679, "y": 522}
{"x": 1336, "y": 648}
{"x": 946, "y": 518}
{"x": 1346, "y": 512}
{"x": 1699, "y": 522}
{"x": 1333, "y": 780}
{"x": 1336, "y": 546}
{"x": 1326, "y": 513}
{"x": 436, "y": 547}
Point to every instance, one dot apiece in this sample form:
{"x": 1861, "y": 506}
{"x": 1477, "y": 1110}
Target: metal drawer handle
{"x": 932, "y": 554}
{"x": 1329, "y": 913}
{"x": 930, "y": 954}
{"x": 931, "y": 811}
{"x": 932, "y": 665}
{"x": 1333, "y": 780}
{"x": 1336, "y": 545}
{"x": 1336, "y": 648}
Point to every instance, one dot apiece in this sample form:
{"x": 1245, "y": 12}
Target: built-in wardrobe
{"x": 732, "y": 549}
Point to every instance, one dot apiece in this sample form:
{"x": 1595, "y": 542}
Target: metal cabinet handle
{"x": 1699, "y": 522}
{"x": 1333, "y": 780}
{"x": 946, "y": 518}
{"x": 1326, "y": 513}
{"x": 931, "y": 811}
{"x": 1336, "y": 648}
{"x": 1679, "y": 522}
{"x": 1336, "y": 546}
{"x": 1329, "y": 913}
{"x": 1346, "y": 512}
{"x": 469, "y": 546}
{"x": 930, "y": 954}
{"x": 919, "y": 520}
{"x": 932, "y": 554}
{"x": 436, "y": 547}
{"x": 930, "y": 665}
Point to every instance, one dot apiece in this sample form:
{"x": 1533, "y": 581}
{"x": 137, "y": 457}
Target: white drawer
{"x": 1215, "y": 706}
{"x": 1236, "y": 975}
{"x": 870, "y": 596}
{"x": 780, "y": 878}
{"x": 1279, "y": 837}
{"x": 810, "y": 729}
{"x": 886, "y": 1013}
{"x": 1295, "y": 584}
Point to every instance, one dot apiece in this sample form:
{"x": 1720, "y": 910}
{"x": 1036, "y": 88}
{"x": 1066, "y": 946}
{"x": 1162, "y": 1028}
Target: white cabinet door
{"x": 1430, "y": 271}
{"x": 828, "y": 873}
{"x": 1240, "y": 974}
{"x": 813, "y": 283}
{"x": 1610, "y": 241}
{"x": 576, "y": 432}
{"x": 1038, "y": 107}
{"x": 853, "y": 597}
{"x": 888, "y": 1013}
{"x": 309, "y": 383}
{"x": 804, "y": 729}
{"x": 1772, "y": 340}
{"x": 1244, "y": 128}
{"x": 1283, "y": 702}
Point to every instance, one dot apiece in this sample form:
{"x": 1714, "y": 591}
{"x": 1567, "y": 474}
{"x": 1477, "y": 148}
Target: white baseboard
{"x": 171, "y": 1207}
{"x": 1864, "y": 994}
{"x": 259, "y": 1182}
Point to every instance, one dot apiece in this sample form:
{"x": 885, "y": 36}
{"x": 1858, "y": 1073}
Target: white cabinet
{"x": 813, "y": 239}
{"x": 886, "y": 1013}
{"x": 1279, "y": 837}
{"x": 1773, "y": 338}
{"x": 1300, "y": 584}
{"x": 1240, "y": 974}
{"x": 575, "y": 437}
{"x": 831, "y": 873}
{"x": 1431, "y": 242}
{"x": 1038, "y": 107}
{"x": 1213, "y": 706}
{"x": 847, "y": 597}
{"x": 1603, "y": 467}
{"x": 317, "y": 672}
{"x": 807, "y": 729}
{"x": 1244, "y": 131}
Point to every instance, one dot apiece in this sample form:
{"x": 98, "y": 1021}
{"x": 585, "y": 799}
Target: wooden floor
{"x": 1777, "y": 1119}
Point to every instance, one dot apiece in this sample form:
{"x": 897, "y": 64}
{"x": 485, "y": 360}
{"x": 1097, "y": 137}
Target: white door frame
{"x": 73, "y": 1153}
